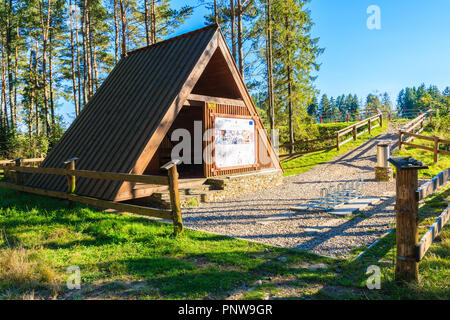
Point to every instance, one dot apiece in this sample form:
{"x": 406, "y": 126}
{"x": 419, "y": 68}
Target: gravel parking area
{"x": 265, "y": 216}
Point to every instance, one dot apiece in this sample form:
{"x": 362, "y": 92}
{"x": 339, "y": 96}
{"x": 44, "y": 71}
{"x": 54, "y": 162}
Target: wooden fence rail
{"x": 337, "y": 137}
{"x": 31, "y": 160}
{"x": 426, "y": 241}
{"x": 436, "y": 140}
{"x": 434, "y": 184}
{"x": 171, "y": 181}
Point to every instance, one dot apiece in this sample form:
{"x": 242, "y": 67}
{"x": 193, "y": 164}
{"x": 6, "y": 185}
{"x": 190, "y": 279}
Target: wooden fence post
{"x": 355, "y": 133}
{"x": 337, "y": 141}
{"x": 19, "y": 175}
{"x": 171, "y": 167}
{"x": 407, "y": 217}
{"x": 71, "y": 180}
{"x": 381, "y": 120}
{"x": 436, "y": 149}
{"x": 400, "y": 140}
{"x": 370, "y": 126}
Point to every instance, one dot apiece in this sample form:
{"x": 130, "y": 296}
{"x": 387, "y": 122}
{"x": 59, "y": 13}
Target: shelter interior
{"x": 215, "y": 85}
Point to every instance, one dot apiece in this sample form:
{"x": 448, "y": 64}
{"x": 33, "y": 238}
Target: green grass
{"x": 124, "y": 256}
{"x": 305, "y": 163}
{"x": 427, "y": 157}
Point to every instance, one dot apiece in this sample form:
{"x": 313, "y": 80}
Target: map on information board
{"x": 234, "y": 142}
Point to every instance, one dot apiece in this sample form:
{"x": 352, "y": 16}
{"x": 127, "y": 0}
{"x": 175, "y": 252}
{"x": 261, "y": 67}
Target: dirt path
{"x": 265, "y": 216}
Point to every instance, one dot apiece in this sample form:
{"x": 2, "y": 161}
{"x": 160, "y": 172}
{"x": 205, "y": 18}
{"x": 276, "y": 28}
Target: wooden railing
{"x": 171, "y": 181}
{"x": 426, "y": 241}
{"x": 353, "y": 129}
{"x": 429, "y": 188}
{"x": 435, "y": 139}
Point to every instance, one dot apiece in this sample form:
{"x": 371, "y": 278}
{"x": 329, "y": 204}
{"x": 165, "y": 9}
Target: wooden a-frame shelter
{"x": 126, "y": 126}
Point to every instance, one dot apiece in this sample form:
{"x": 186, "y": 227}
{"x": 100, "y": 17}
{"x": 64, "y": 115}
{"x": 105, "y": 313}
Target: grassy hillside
{"x": 304, "y": 163}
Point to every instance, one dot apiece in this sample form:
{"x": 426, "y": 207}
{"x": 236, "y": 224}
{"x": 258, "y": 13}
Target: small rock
{"x": 266, "y": 250}
{"x": 259, "y": 282}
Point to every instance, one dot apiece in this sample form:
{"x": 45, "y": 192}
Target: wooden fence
{"x": 353, "y": 130}
{"x": 436, "y": 140}
{"x": 171, "y": 181}
{"x": 429, "y": 188}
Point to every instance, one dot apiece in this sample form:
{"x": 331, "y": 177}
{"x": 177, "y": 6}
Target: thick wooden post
{"x": 355, "y": 134}
{"x": 19, "y": 175}
{"x": 71, "y": 180}
{"x": 171, "y": 167}
{"x": 381, "y": 120}
{"x": 400, "y": 140}
{"x": 337, "y": 141}
{"x": 436, "y": 149}
{"x": 407, "y": 217}
{"x": 370, "y": 126}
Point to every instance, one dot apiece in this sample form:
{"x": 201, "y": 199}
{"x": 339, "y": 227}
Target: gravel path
{"x": 265, "y": 216}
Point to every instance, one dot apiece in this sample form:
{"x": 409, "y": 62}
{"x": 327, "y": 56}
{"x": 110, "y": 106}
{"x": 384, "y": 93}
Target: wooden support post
{"x": 400, "y": 140}
{"x": 171, "y": 167}
{"x": 381, "y": 120}
{"x": 355, "y": 133}
{"x": 370, "y": 126}
{"x": 337, "y": 141}
{"x": 407, "y": 217}
{"x": 71, "y": 180}
{"x": 436, "y": 149}
{"x": 19, "y": 175}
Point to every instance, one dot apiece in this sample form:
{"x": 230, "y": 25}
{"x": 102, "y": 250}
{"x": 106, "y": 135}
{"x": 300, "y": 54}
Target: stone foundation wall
{"x": 383, "y": 174}
{"x": 232, "y": 186}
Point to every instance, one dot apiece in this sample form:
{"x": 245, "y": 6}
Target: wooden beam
{"x": 162, "y": 180}
{"x": 218, "y": 100}
{"x": 407, "y": 217}
{"x": 431, "y": 186}
{"x": 426, "y": 241}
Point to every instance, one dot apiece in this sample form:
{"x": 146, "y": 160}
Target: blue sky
{"x": 412, "y": 46}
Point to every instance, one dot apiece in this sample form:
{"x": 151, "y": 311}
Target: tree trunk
{"x": 147, "y": 24}
{"x": 90, "y": 57}
{"x": 153, "y": 16}
{"x": 4, "y": 105}
{"x": 289, "y": 83}
{"x": 270, "y": 93}
{"x": 116, "y": 33}
{"x": 72, "y": 51}
{"x": 45, "y": 31}
{"x": 31, "y": 108}
{"x": 239, "y": 40}
{"x": 50, "y": 72}
{"x": 85, "y": 54}
{"x": 123, "y": 19}
{"x": 8, "y": 10}
{"x": 216, "y": 18}
{"x": 16, "y": 64}
{"x": 291, "y": 115}
{"x": 233, "y": 36}
{"x": 36, "y": 85}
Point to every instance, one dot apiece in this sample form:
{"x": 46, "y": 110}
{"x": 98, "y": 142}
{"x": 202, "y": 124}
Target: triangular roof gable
{"x": 142, "y": 92}
{"x": 217, "y": 43}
